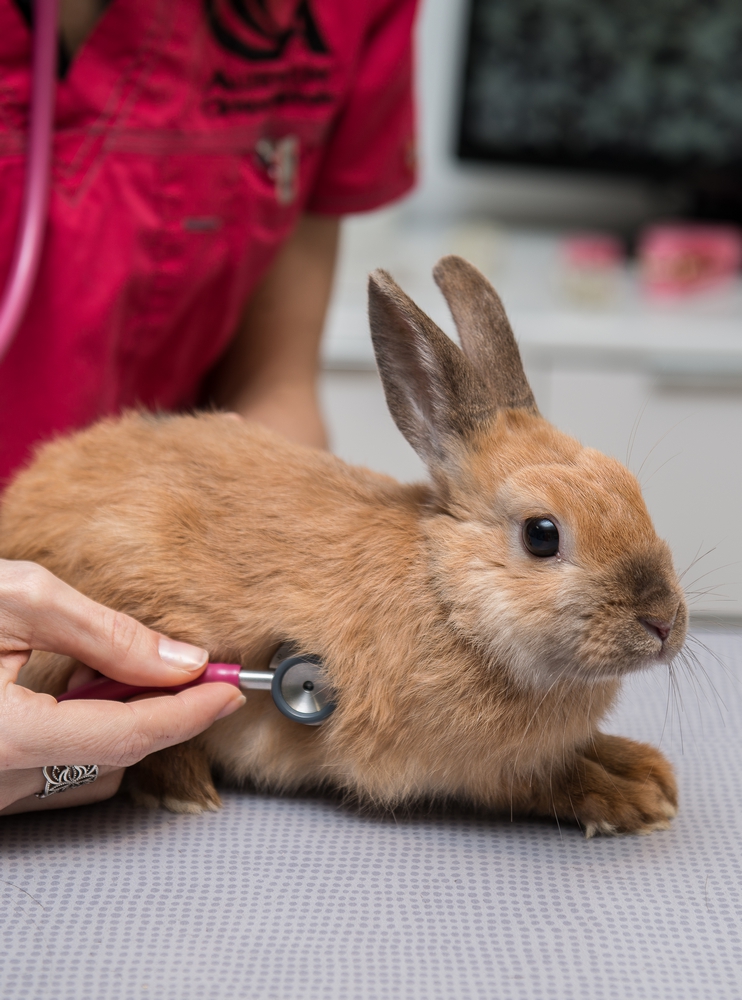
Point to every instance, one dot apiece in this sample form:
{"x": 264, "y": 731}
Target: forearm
{"x": 269, "y": 371}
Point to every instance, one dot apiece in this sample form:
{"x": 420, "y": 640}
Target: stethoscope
{"x": 27, "y": 251}
{"x": 298, "y": 685}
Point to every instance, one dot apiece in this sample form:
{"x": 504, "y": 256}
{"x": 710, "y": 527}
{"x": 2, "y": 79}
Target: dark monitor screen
{"x": 650, "y": 87}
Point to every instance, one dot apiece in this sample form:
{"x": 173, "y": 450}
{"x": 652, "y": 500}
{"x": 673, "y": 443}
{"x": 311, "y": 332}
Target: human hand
{"x": 39, "y": 611}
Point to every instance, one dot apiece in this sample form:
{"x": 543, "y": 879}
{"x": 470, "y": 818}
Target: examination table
{"x": 292, "y": 899}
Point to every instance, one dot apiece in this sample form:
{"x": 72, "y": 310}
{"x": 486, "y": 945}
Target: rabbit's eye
{"x": 541, "y": 536}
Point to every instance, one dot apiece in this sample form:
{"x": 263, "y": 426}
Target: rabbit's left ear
{"x": 485, "y": 333}
{"x": 435, "y": 394}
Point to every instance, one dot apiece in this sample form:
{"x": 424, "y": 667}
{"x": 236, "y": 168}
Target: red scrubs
{"x": 189, "y": 136}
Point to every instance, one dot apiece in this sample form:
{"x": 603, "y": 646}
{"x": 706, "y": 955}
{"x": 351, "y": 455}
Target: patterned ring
{"x": 61, "y": 777}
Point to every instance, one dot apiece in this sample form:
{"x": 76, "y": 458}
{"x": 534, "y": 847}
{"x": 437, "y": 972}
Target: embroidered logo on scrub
{"x": 285, "y": 62}
{"x": 259, "y": 30}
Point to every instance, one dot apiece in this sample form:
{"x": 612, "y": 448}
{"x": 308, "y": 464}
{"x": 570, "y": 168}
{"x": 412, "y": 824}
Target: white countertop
{"x": 696, "y": 335}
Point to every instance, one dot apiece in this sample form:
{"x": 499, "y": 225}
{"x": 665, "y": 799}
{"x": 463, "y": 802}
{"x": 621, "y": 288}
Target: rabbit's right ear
{"x": 435, "y": 395}
{"x": 486, "y": 335}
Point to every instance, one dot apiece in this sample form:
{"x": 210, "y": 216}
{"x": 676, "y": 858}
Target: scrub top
{"x": 189, "y": 136}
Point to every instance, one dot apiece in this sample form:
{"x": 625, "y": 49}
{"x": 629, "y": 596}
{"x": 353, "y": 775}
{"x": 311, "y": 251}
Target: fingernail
{"x": 182, "y": 655}
{"x": 232, "y": 706}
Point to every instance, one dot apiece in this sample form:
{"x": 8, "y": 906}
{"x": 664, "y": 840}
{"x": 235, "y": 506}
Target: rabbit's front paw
{"x": 177, "y": 779}
{"x": 619, "y": 786}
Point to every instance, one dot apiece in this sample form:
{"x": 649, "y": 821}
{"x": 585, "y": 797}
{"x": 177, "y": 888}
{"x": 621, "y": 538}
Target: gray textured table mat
{"x": 280, "y": 899}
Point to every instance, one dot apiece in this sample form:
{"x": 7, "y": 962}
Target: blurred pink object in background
{"x": 591, "y": 263}
{"x": 685, "y": 258}
{"x": 596, "y": 250}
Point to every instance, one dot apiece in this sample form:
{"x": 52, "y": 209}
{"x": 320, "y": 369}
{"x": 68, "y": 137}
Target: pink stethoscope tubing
{"x": 107, "y": 690}
{"x": 30, "y": 238}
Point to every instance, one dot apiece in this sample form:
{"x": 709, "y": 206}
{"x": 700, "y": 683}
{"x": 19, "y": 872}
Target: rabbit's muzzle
{"x": 636, "y": 618}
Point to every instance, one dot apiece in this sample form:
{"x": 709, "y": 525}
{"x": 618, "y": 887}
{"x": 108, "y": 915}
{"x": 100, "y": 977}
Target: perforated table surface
{"x": 285, "y": 899}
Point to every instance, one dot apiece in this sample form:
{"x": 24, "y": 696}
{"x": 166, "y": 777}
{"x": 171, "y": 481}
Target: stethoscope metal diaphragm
{"x": 301, "y": 690}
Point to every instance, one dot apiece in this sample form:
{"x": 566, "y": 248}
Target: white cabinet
{"x": 682, "y": 441}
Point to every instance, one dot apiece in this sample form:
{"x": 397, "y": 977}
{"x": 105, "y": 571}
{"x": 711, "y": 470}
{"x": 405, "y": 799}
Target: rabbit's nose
{"x": 657, "y": 627}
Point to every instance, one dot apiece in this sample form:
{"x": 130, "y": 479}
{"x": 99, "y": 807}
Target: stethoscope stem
{"x": 256, "y": 680}
{"x": 27, "y": 251}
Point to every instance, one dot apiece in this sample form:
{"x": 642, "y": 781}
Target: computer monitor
{"x": 648, "y": 88}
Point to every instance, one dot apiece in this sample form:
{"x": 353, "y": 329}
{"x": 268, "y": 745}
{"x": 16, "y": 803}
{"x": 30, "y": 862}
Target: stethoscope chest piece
{"x": 301, "y": 691}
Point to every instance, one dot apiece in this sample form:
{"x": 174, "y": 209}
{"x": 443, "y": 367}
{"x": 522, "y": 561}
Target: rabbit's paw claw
{"x": 189, "y": 806}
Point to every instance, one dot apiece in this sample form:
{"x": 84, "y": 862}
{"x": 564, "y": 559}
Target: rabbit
{"x": 476, "y": 628}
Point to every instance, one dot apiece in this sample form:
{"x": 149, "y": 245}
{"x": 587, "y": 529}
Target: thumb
{"x": 40, "y": 611}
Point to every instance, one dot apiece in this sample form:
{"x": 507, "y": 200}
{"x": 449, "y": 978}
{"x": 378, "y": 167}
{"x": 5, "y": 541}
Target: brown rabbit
{"x": 475, "y": 629}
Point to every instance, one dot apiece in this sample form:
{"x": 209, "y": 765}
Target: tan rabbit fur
{"x": 465, "y": 666}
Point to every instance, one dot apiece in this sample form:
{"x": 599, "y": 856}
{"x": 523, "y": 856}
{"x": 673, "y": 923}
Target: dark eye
{"x": 540, "y": 536}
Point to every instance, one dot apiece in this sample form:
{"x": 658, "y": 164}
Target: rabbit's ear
{"x": 486, "y": 335}
{"x": 434, "y": 393}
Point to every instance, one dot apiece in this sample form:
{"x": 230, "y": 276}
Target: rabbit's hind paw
{"x": 177, "y": 779}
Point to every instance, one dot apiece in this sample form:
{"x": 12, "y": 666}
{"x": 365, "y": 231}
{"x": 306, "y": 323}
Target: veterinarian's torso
{"x": 189, "y": 136}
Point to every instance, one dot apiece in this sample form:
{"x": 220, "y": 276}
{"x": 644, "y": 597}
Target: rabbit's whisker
{"x": 667, "y": 703}
{"x": 692, "y": 638}
{"x": 676, "y": 705}
{"x": 691, "y": 665}
{"x": 696, "y": 688}
{"x": 692, "y": 660}
{"x": 553, "y": 801}
{"x": 657, "y": 444}
{"x": 635, "y": 430}
{"x": 710, "y": 590}
{"x": 715, "y": 569}
{"x": 697, "y": 558}
{"x": 659, "y": 468}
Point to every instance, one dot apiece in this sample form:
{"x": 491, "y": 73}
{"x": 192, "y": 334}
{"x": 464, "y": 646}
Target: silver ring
{"x": 62, "y": 777}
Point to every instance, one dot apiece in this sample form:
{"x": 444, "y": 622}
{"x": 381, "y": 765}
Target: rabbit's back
{"x": 156, "y": 514}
